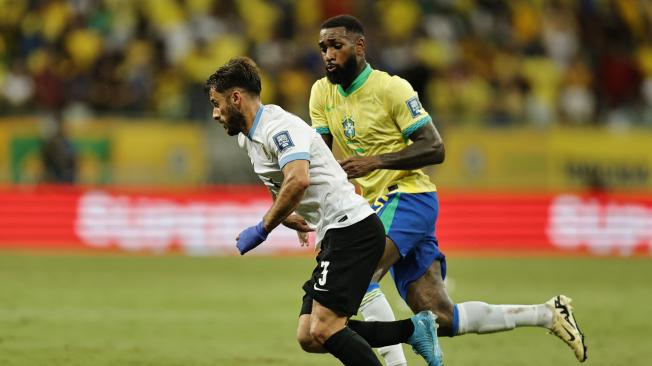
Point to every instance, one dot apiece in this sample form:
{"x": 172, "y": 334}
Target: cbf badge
{"x": 414, "y": 106}
{"x": 349, "y": 128}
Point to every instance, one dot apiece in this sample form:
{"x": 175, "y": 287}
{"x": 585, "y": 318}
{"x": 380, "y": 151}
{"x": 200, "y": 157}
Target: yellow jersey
{"x": 375, "y": 115}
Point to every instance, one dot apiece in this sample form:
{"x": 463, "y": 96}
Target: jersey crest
{"x": 283, "y": 141}
{"x": 349, "y": 128}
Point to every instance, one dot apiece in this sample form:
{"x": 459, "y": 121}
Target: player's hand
{"x": 250, "y": 238}
{"x": 303, "y": 239}
{"x": 298, "y": 223}
{"x": 359, "y": 166}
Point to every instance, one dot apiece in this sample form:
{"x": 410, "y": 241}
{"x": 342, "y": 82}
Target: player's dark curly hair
{"x": 239, "y": 72}
{"x": 351, "y": 23}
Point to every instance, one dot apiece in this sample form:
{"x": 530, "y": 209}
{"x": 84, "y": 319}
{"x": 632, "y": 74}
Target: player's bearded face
{"x": 343, "y": 74}
{"x": 234, "y": 120}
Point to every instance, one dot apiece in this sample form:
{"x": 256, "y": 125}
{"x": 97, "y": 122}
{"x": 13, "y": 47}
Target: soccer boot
{"x": 565, "y": 327}
{"x": 424, "y": 339}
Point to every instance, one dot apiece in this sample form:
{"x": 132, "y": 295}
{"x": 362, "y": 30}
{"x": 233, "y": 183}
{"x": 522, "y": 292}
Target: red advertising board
{"x": 199, "y": 221}
{"x": 207, "y": 220}
{"x": 564, "y": 223}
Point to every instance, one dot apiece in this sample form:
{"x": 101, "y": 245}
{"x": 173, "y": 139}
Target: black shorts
{"x": 347, "y": 260}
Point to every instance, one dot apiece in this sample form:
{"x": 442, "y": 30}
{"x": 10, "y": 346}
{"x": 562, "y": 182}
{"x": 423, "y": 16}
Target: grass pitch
{"x": 134, "y": 310}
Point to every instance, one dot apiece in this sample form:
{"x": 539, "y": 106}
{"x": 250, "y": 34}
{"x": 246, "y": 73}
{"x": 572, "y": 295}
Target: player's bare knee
{"x": 319, "y": 332}
{"x": 308, "y": 343}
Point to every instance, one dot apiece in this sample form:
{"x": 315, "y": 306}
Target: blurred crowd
{"x": 490, "y": 62}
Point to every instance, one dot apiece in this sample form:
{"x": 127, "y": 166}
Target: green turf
{"x": 121, "y": 310}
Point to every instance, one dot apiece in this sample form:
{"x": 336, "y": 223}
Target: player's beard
{"x": 343, "y": 74}
{"x": 235, "y": 121}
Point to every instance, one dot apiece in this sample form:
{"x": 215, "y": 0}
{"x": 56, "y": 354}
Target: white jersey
{"x": 277, "y": 138}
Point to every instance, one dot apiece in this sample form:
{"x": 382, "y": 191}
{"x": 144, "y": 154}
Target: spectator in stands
{"x": 59, "y": 156}
{"x": 475, "y": 62}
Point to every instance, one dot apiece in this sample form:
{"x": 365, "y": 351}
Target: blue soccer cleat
{"x": 424, "y": 339}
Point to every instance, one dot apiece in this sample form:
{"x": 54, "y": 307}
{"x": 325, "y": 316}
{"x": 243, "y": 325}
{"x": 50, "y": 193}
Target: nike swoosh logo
{"x": 319, "y": 289}
{"x": 329, "y": 108}
{"x": 572, "y": 337}
{"x": 562, "y": 309}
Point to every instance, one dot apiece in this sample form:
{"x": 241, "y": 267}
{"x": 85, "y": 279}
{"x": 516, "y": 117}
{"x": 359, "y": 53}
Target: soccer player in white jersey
{"x": 304, "y": 177}
{"x": 386, "y": 137}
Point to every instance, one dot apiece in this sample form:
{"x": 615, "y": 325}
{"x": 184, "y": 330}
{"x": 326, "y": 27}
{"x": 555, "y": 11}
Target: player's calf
{"x": 429, "y": 293}
{"x": 445, "y": 318}
{"x": 375, "y": 307}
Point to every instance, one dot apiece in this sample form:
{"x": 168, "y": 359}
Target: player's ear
{"x": 236, "y": 97}
{"x": 360, "y": 46}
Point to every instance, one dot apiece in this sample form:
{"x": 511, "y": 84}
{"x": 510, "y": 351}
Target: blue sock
{"x": 372, "y": 286}
{"x": 456, "y": 321}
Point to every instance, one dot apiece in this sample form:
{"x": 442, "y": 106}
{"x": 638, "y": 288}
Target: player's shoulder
{"x": 321, "y": 86}
{"x": 278, "y": 118}
{"x": 321, "y": 83}
{"x": 389, "y": 81}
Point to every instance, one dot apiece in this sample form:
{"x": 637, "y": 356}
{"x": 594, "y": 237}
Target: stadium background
{"x": 545, "y": 108}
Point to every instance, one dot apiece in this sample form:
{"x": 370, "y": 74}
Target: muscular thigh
{"x": 412, "y": 247}
{"x": 390, "y": 256}
{"x": 428, "y": 292}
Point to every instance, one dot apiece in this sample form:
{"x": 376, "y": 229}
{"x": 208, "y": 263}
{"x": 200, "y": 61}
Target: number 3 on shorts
{"x": 324, "y": 273}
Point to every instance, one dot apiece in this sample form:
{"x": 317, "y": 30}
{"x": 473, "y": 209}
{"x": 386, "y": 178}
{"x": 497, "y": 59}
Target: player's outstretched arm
{"x": 294, "y": 221}
{"x": 295, "y": 182}
{"x": 427, "y": 149}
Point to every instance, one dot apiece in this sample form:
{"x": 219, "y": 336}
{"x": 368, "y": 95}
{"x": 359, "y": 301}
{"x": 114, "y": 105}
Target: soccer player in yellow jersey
{"x": 386, "y": 136}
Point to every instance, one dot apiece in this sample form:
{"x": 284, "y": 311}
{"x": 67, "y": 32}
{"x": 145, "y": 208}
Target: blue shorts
{"x": 409, "y": 220}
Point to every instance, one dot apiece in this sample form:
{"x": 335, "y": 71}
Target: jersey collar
{"x": 357, "y": 83}
{"x": 259, "y": 113}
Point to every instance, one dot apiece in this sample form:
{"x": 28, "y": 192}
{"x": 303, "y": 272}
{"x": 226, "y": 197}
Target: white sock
{"x": 480, "y": 317}
{"x": 375, "y": 307}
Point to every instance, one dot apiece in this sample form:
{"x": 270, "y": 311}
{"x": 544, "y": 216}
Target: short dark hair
{"x": 239, "y": 72}
{"x": 351, "y": 23}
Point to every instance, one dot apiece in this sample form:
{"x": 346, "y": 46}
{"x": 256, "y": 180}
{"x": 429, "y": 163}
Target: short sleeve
{"x": 241, "y": 140}
{"x": 290, "y": 140}
{"x": 405, "y": 107}
{"x": 317, "y": 111}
